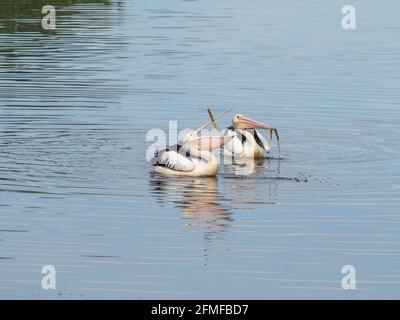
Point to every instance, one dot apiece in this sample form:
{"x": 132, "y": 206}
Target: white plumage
{"x": 248, "y": 142}
{"x": 176, "y": 161}
{"x": 193, "y": 158}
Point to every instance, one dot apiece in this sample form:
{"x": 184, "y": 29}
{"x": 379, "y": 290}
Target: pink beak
{"x": 247, "y": 123}
{"x": 210, "y": 143}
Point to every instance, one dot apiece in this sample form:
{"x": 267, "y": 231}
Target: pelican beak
{"x": 247, "y": 123}
{"x": 210, "y": 143}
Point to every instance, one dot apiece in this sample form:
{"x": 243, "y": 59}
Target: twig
{"x": 212, "y": 118}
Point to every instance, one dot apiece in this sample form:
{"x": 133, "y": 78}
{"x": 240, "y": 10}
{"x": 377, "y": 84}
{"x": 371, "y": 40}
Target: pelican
{"x": 246, "y": 141}
{"x": 192, "y": 158}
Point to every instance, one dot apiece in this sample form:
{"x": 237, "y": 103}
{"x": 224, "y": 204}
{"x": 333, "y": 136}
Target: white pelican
{"x": 192, "y": 158}
{"x": 246, "y": 141}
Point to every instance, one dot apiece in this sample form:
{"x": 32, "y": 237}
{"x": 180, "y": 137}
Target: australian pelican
{"x": 246, "y": 141}
{"x": 192, "y": 158}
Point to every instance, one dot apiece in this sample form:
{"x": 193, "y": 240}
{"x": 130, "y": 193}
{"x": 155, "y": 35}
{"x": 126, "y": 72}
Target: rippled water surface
{"x": 77, "y": 193}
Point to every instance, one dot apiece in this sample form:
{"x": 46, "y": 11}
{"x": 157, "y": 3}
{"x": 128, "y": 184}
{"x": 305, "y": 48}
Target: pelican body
{"x": 192, "y": 158}
{"x": 246, "y": 141}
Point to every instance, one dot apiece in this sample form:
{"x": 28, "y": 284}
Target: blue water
{"x": 77, "y": 193}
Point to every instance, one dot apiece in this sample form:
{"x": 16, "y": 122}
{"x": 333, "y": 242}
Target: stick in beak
{"x": 212, "y": 118}
{"x": 209, "y": 122}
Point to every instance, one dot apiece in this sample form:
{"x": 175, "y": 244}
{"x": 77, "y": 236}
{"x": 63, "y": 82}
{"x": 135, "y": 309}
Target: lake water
{"x": 77, "y": 193}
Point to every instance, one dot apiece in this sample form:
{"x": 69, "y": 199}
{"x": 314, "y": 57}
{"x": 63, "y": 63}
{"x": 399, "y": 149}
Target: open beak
{"x": 248, "y": 123}
{"x": 210, "y": 143}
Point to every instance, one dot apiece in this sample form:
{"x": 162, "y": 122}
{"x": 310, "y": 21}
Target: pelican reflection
{"x": 251, "y": 181}
{"x": 246, "y": 166}
{"x": 198, "y": 199}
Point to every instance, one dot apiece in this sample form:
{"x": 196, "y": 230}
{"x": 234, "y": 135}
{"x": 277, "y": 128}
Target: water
{"x": 76, "y": 191}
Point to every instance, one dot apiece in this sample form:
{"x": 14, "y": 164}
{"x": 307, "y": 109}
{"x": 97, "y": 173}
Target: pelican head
{"x": 242, "y": 122}
{"x": 189, "y": 137}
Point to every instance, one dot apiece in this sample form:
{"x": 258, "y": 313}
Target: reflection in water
{"x": 246, "y": 166}
{"x": 247, "y": 173}
{"x": 26, "y": 15}
{"x": 58, "y": 69}
{"x": 199, "y": 200}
